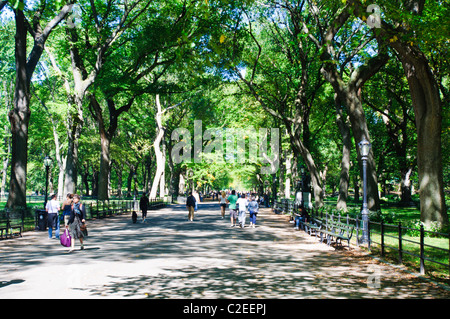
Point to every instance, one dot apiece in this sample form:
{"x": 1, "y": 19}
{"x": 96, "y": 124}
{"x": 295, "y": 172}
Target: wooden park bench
{"x": 338, "y": 231}
{"x": 277, "y": 207}
{"x": 7, "y": 227}
{"x": 315, "y": 225}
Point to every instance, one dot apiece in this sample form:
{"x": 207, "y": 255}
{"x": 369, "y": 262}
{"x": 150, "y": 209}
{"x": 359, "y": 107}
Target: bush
{"x": 378, "y": 217}
{"x": 430, "y": 230}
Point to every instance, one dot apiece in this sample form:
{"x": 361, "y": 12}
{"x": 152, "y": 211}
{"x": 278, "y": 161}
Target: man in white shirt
{"x": 52, "y": 209}
{"x": 243, "y": 203}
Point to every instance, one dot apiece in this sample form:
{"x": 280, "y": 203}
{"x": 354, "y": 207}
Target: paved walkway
{"x": 169, "y": 257}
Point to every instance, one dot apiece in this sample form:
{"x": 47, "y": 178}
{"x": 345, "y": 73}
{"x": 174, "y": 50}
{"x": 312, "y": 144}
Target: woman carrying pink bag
{"x": 76, "y": 222}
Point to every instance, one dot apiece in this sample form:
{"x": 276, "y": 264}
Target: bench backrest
{"x": 341, "y": 227}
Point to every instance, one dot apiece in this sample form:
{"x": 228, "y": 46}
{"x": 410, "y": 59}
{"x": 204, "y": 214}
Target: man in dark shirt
{"x": 190, "y": 205}
{"x": 143, "y": 205}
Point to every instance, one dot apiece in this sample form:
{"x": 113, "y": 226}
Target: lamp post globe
{"x": 364, "y": 147}
{"x": 48, "y": 161}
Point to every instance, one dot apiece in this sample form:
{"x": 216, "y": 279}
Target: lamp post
{"x": 47, "y": 164}
{"x": 135, "y": 206}
{"x": 364, "y": 147}
{"x": 300, "y": 187}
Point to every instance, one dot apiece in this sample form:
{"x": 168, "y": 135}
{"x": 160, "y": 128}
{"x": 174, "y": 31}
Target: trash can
{"x": 41, "y": 219}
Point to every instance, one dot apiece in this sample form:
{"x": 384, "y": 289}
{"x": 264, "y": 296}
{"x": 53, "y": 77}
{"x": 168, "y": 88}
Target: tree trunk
{"x": 361, "y": 132}
{"x": 105, "y": 171}
{"x": 20, "y": 114}
{"x": 7, "y": 140}
{"x": 312, "y": 169}
{"x": 106, "y": 135}
{"x": 105, "y": 158}
{"x": 287, "y": 185}
{"x": 428, "y": 114}
{"x": 118, "y": 166}
{"x": 19, "y": 118}
{"x": 348, "y": 93}
{"x": 59, "y": 158}
{"x": 5, "y": 162}
{"x": 160, "y": 158}
{"x": 94, "y": 184}
{"x": 74, "y": 126}
{"x": 162, "y": 181}
{"x": 345, "y": 162}
{"x": 85, "y": 179}
{"x": 405, "y": 187}
{"x": 130, "y": 180}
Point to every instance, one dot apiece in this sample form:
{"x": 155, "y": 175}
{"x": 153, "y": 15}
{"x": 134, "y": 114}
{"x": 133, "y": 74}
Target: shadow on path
{"x": 170, "y": 257}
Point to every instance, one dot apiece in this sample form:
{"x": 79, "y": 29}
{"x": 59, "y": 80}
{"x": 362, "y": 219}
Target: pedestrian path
{"x": 170, "y": 257}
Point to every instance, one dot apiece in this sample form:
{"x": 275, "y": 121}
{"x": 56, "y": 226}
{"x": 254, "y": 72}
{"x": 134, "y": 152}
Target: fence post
{"x": 422, "y": 253}
{"x": 382, "y": 239}
{"x": 24, "y": 211}
{"x": 357, "y": 230}
{"x": 400, "y": 255}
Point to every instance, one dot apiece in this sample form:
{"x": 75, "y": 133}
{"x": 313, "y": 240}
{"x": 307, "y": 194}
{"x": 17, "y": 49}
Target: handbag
{"x": 83, "y": 230}
{"x": 65, "y": 239}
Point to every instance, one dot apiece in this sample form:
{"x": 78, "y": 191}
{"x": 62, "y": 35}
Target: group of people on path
{"x": 74, "y": 214}
{"x": 238, "y": 206}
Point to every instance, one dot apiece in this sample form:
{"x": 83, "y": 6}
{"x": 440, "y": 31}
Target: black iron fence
{"x": 30, "y": 218}
{"x": 426, "y": 250}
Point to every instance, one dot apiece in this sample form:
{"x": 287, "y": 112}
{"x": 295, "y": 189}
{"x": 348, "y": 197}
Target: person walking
{"x": 190, "y": 205}
{"x": 197, "y": 200}
{"x": 253, "y": 209}
{"x": 243, "y": 203}
{"x": 223, "y": 203}
{"x": 76, "y": 221}
{"x": 231, "y": 200}
{"x": 143, "y": 205}
{"x": 67, "y": 208}
{"x": 52, "y": 209}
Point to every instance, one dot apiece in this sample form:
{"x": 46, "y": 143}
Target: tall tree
{"x": 106, "y": 135}
{"x": 394, "y": 107}
{"x": 110, "y": 22}
{"x": 165, "y": 37}
{"x": 282, "y": 74}
{"x": 25, "y": 67}
{"x": 407, "y": 28}
{"x": 344, "y": 43}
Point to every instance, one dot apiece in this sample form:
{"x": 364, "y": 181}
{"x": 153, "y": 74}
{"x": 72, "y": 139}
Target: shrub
{"x": 430, "y": 230}
{"x": 378, "y": 217}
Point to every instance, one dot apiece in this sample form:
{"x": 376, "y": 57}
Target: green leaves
{"x": 17, "y": 4}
